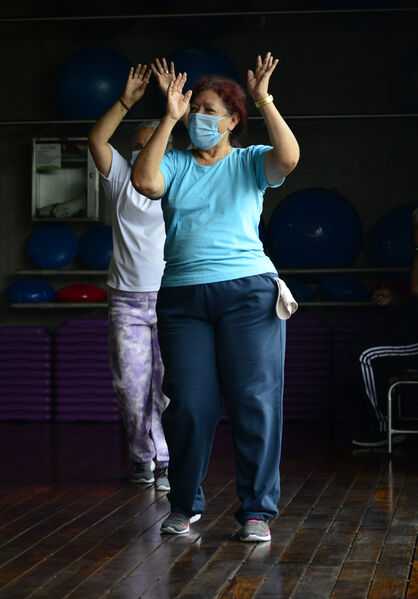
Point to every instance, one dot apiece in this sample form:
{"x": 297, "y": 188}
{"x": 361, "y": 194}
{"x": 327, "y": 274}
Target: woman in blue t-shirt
{"x": 218, "y": 330}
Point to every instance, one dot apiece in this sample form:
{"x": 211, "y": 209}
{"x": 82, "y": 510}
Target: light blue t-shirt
{"x": 211, "y": 216}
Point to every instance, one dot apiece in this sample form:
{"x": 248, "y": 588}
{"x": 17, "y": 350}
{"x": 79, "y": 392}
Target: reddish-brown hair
{"x": 231, "y": 94}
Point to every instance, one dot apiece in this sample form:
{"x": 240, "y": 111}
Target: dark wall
{"x": 331, "y": 63}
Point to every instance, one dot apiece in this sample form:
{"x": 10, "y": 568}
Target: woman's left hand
{"x": 258, "y": 81}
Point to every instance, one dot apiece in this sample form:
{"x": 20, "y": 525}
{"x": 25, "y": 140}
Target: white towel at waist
{"x": 286, "y": 304}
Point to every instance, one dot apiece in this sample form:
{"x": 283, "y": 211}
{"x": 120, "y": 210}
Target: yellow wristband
{"x": 264, "y": 101}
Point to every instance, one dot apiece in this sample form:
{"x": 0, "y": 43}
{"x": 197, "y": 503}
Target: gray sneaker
{"x": 178, "y": 524}
{"x": 254, "y": 531}
{"x": 161, "y": 481}
{"x": 143, "y": 473}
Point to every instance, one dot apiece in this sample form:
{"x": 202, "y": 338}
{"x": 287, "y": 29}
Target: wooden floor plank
{"x": 57, "y": 550}
{"x": 131, "y": 568}
{"x": 72, "y": 526}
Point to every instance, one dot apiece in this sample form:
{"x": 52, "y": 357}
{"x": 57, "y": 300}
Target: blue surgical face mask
{"x": 203, "y": 130}
{"x": 134, "y": 156}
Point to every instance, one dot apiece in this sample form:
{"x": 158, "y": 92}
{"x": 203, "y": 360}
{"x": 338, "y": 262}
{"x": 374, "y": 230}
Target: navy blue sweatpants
{"x": 223, "y": 340}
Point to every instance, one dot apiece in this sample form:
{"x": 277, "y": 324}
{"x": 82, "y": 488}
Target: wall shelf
{"x": 86, "y": 305}
{"x": 290, "y": 117}
{"x": 282, "y": 271}
{"x": 59, "y": 272}
{"x": 54, "y": 305}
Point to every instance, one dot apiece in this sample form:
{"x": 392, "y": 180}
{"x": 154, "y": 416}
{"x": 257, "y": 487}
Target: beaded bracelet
{"x": 264, "y": 101}
{"x": 123, "y": 104}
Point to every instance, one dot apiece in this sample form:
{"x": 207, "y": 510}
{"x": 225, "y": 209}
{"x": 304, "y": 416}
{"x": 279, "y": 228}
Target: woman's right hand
{"x": 136, "y": 84}
{"x": 177, "y": 102}
{"x": 162, "y": 74}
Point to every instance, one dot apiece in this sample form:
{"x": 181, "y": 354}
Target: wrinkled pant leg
{"x": 159, "y": 402}
{"x": 131, "y": 362}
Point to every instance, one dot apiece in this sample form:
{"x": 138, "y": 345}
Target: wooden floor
{"x": 72, "y": 526}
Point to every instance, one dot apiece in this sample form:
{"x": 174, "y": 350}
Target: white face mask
{"x": 134, "y": 156}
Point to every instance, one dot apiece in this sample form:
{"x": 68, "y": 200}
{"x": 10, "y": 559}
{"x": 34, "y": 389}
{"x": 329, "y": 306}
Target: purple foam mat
{"x": 22, "y": 407}
{"x": 74, "y": 345}
{"x": 24, "y": 330}
{"x": 38, "y": 399}
{"x": 24, "y": 356}
{"x": 23, "y": 390}
{"x": 24, "y": 371}
{"x": 68, "y": 377}
{"x": 83, "y": 417}
{"x": 31, "y": 416}
{"x": 82, "y": 334}
{"x": 92, "y": 321}
{"x": 36, "y": 363}
{"x": 86, "y": 400}
{"x": 29, "y": 342}
{"x": 94, "y": 408}
{"x": 40, "y": 380}
{"x": 76, "y": 357}
{"x": 94, "y": 367}
{"x": 88, "y": 387}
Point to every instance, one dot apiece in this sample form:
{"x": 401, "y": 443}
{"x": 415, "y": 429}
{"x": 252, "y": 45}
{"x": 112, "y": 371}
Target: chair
{"x": 407, "y": 377}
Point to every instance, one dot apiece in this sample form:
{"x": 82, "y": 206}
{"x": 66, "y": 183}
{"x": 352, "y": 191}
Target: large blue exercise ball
{"x": 344, "y": 288}
{"x": 315, "y": 228}
{"x": 30, "y": 290}
{"x": 201, "y": 60}
{"x": 52, "y": 246}
{"x": 95, "y": 247}
{"x": 390, "y": 242}
{"x": 302, "y": 292}
{"x": 90, "y": 81}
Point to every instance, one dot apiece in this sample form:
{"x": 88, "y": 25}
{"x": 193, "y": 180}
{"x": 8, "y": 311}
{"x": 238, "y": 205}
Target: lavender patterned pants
{"x": 137, "y": 372}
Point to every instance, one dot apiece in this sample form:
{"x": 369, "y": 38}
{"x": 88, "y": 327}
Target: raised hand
{"x": 177, "y": 102}
{"x": 258, "y": 81}
{"x": 162, "y": 74}
{"x": 136, "y": 84}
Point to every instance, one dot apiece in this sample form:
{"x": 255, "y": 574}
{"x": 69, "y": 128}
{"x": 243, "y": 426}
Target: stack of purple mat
{"x": 25, "y": 373}
{"x": 307, "y": 369}
{"x": 82, "y": 378}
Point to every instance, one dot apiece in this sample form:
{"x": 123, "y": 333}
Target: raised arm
{"x": 146, "y": 176}
{"x": 284, "y": 156}
{"x": 104, "y": 128}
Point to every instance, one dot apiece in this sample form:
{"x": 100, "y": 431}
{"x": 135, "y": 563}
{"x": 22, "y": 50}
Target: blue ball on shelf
{"x": 390, "y": 241}
{"x": 198, "y": 61}
{"x": 344, "y": 288}
{"x": 95, "y": 248}
{"x": 31, "y": 290}
{"x": 90, "y": 81}
{"x": 315, "y": 228}
{"x": 302, "y": 292}
{"x": 52, "y": 246}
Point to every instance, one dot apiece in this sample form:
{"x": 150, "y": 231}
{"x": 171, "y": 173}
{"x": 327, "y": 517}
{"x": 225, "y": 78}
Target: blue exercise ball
{"x": 30, "y": 290}
{"x": 95, "y": 247}
{"x": 90, "y": 81}
{"x": 301, "y": 291}
{"x": 201, "y": 60}
{"x": 344, "y": 288}
{"x": 52, "y": 246}
{"x": 390, "y": 241}
{"x": 314, "y": 228}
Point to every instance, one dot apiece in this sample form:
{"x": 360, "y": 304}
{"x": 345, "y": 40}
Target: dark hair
{"x": 231, "y": 94}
